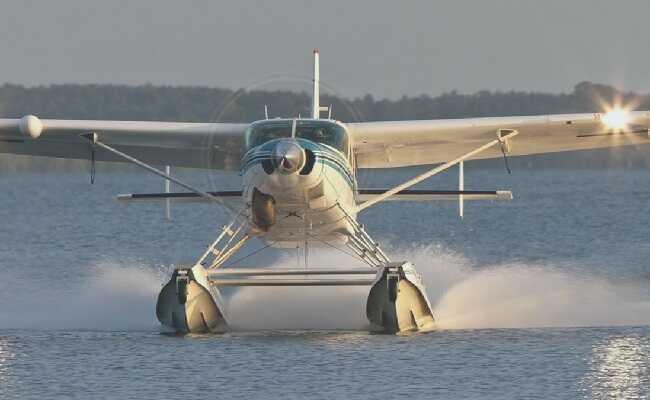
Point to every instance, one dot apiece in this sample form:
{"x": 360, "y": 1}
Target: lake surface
{"x": 547, "y": 296}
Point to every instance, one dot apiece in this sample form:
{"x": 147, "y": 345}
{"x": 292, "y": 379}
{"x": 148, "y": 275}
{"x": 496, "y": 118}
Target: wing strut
{"x": 503, "y": 136}
{"x": 94, "y": 139}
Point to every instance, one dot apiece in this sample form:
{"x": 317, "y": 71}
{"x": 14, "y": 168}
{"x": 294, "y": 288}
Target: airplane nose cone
{"x": 288, "y": 157}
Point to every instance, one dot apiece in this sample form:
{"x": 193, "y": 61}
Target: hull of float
{"x": 187, "y": 305}
{"x": 398, "y": 302}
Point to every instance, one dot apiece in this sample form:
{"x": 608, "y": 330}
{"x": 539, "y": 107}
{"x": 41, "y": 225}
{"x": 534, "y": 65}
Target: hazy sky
{"x": 385, "y": 48}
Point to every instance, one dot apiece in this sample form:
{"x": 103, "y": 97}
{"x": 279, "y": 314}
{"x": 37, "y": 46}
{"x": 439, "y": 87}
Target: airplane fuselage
{"x": 298, "y": 179}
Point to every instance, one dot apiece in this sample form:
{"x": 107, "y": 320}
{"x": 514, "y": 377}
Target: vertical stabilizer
{"x": 315, "y": 104}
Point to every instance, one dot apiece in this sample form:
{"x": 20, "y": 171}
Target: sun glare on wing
{"x": 616, "y": 119}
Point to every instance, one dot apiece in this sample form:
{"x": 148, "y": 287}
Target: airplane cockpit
{"x": 319, "y": 131}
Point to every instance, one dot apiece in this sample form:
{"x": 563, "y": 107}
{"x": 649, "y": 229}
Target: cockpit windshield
{"x": 325, "y": 132}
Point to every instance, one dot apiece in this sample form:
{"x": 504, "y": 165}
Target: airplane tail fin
{"x": 315, "y": 105}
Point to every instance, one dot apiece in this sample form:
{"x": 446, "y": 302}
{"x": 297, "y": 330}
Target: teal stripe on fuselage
{"x": 324, "y": 154}
{"x": 337, "y": 168}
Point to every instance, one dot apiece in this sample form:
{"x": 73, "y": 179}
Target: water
{"x": 547, "y": 296}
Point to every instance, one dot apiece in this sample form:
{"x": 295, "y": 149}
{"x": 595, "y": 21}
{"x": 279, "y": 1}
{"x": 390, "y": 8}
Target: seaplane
{"x": 300, "y": 189}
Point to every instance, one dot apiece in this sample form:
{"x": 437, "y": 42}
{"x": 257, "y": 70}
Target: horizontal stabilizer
{"x": 435, "y": 195}
{"x": 182, "y": 197}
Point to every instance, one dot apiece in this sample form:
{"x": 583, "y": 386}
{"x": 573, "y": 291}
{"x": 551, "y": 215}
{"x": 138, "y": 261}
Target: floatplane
{"x": 300, "y": 189}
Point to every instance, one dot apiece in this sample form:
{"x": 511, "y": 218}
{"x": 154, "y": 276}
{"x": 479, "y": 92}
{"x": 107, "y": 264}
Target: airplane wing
{"x": 405, "y": 143}
{"x": 195, "y": 145}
